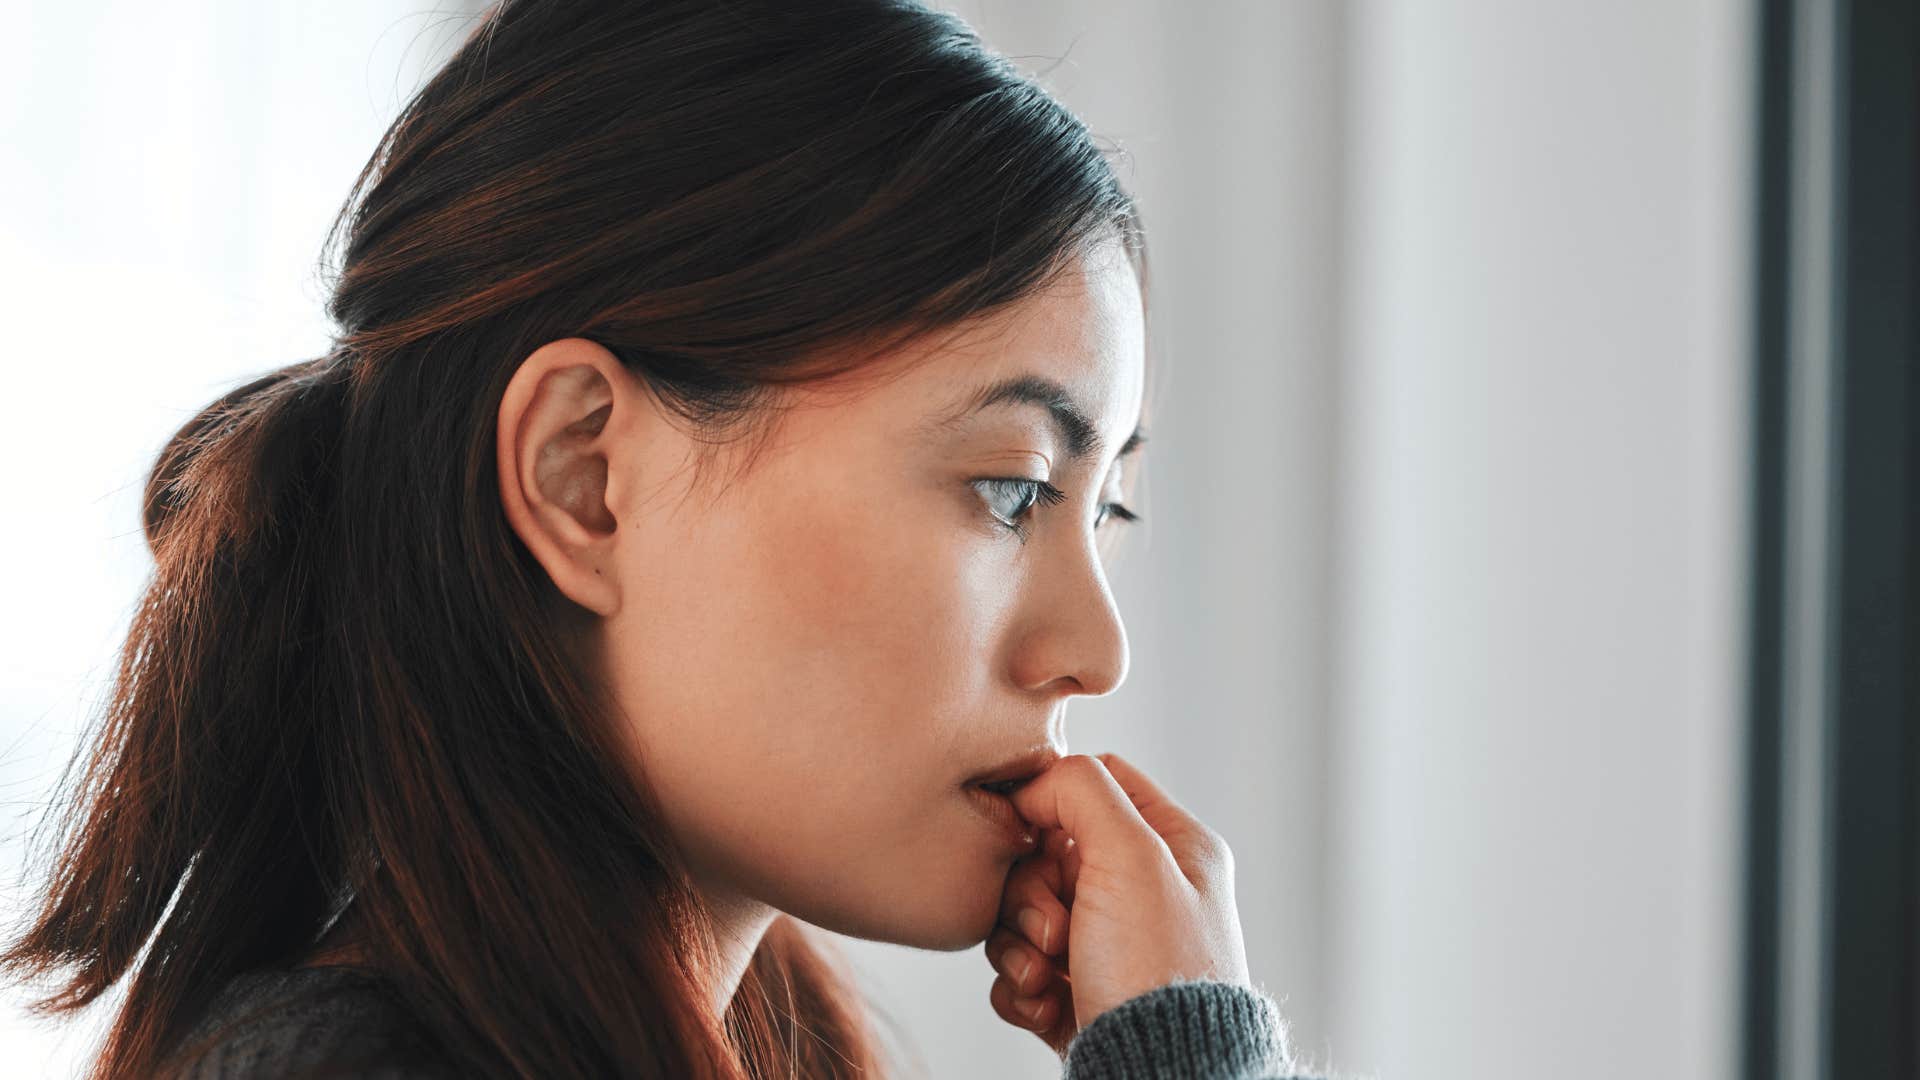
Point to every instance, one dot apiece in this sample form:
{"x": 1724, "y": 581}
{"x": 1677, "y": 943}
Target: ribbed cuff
{"x": 1189, "y": 1029}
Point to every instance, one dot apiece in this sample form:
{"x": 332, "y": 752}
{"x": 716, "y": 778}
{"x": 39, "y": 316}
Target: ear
{"x": 564, "y": 417}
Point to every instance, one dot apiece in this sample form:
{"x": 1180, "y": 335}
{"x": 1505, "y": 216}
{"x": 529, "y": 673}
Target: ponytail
{"x": 248, "y": 455}
{"x": 185, "y": 785}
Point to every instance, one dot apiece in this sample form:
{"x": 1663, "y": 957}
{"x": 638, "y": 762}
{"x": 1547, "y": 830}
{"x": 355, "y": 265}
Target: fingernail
{"x": 1031, "y": 1008}
{"x": 1034, "y": 925}
{"x": 1026, "y": 965}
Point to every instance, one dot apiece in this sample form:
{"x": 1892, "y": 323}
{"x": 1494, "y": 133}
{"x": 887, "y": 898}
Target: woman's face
{"x": 815, "y": 655}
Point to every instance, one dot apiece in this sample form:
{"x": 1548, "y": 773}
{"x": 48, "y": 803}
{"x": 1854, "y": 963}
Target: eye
{"x": 1017, "y": 495}
{"x": 1022, "y": 493}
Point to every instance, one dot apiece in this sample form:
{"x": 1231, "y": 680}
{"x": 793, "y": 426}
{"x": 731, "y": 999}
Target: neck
{"x": 739, "y": 925}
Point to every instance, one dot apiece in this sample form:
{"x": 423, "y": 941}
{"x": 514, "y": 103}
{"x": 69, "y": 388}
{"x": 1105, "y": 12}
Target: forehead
{"x": 1084, "y": 331}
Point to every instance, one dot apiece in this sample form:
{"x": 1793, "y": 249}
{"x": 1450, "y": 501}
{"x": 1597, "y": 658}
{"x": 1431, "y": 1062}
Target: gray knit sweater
{"x": 341, "y": 1023}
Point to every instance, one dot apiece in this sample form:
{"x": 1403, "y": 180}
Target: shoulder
{"x": 331, "y": 1022}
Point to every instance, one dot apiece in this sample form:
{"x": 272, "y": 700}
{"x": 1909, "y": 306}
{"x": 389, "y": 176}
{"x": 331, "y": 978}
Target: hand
{"x": 1131, "y": 890}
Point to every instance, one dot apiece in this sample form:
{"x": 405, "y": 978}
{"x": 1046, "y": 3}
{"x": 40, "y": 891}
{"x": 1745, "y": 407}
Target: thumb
{"x": 1079, "y": 797}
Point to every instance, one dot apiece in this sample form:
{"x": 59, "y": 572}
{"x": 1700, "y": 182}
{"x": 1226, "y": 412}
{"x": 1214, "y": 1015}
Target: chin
{"x": 950, "y": 937}
{"x": 961, "y": 921}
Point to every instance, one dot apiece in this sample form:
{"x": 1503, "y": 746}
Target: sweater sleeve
{"x": 1189, "y": 1029}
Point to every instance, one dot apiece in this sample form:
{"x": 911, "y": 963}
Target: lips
{"x": 1015, "y": 771}
{"x": 988, "y": 792}
{"x": 998, "y": 809}
{"x": 1002, "y": 787}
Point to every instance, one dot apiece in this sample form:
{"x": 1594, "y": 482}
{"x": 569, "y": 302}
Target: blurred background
{"x": 1441, "y": 613}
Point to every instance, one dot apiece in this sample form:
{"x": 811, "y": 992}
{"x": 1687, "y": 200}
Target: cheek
{"x": 872, "y": 592}
{"x": 813, "y": 679}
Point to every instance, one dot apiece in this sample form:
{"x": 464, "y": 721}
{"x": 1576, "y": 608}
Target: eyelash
{"x": 1046, "y": 492}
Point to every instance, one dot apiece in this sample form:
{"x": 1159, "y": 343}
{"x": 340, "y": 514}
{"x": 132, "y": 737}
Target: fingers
{"x": 1044, "y": 861}
{"x": 1160, "y": 811}
{"x": 1030, "y": 903}
{"x": 1060, "y": 858}
{"x": 1078, "y": 796}
{"x": 1195, "y": 845}
{"x": 1054, "y": 843}
{"x": 1026, "y": 972}
{"x": 1064, "y": 853}
{"x": 1049, "y": 1016}
{"x": 1036, "y": 1013}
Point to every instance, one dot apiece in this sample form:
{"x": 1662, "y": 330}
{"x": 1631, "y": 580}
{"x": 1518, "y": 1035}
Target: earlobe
{"x": 559, "y": 417}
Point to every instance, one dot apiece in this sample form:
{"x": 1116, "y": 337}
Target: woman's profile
{"x": 694, "y": 536}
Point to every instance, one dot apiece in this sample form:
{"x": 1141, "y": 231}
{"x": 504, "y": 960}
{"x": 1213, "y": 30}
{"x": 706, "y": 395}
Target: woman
{"x": 706, "y": 496}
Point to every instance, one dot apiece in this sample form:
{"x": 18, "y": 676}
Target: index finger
{"x": 1078, "y": 796}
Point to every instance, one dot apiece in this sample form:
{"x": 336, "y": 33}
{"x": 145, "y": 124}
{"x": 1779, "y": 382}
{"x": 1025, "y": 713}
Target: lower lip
{"x": 999, "y": 810}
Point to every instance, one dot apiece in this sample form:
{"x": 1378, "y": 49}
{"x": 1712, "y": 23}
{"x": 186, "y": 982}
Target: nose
{"x": 1070, "y": 637}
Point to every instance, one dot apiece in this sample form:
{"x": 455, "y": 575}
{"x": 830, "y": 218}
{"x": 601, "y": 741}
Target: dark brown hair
{"x": 348, "y": 680}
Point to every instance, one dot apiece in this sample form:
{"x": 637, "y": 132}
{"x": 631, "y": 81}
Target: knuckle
{"x": 1001, "y": 996}
{"x": 997, "y": 944}
{"x": 1012, "y": 960}
{"x": 1218, "y": 853}
{"x": 1215, "y": 842}
{"x": 1031, "y": 978}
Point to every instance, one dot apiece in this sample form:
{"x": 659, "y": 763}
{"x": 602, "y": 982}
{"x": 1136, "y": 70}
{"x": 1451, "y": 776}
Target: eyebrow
{"x": 1076, "y": 428}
